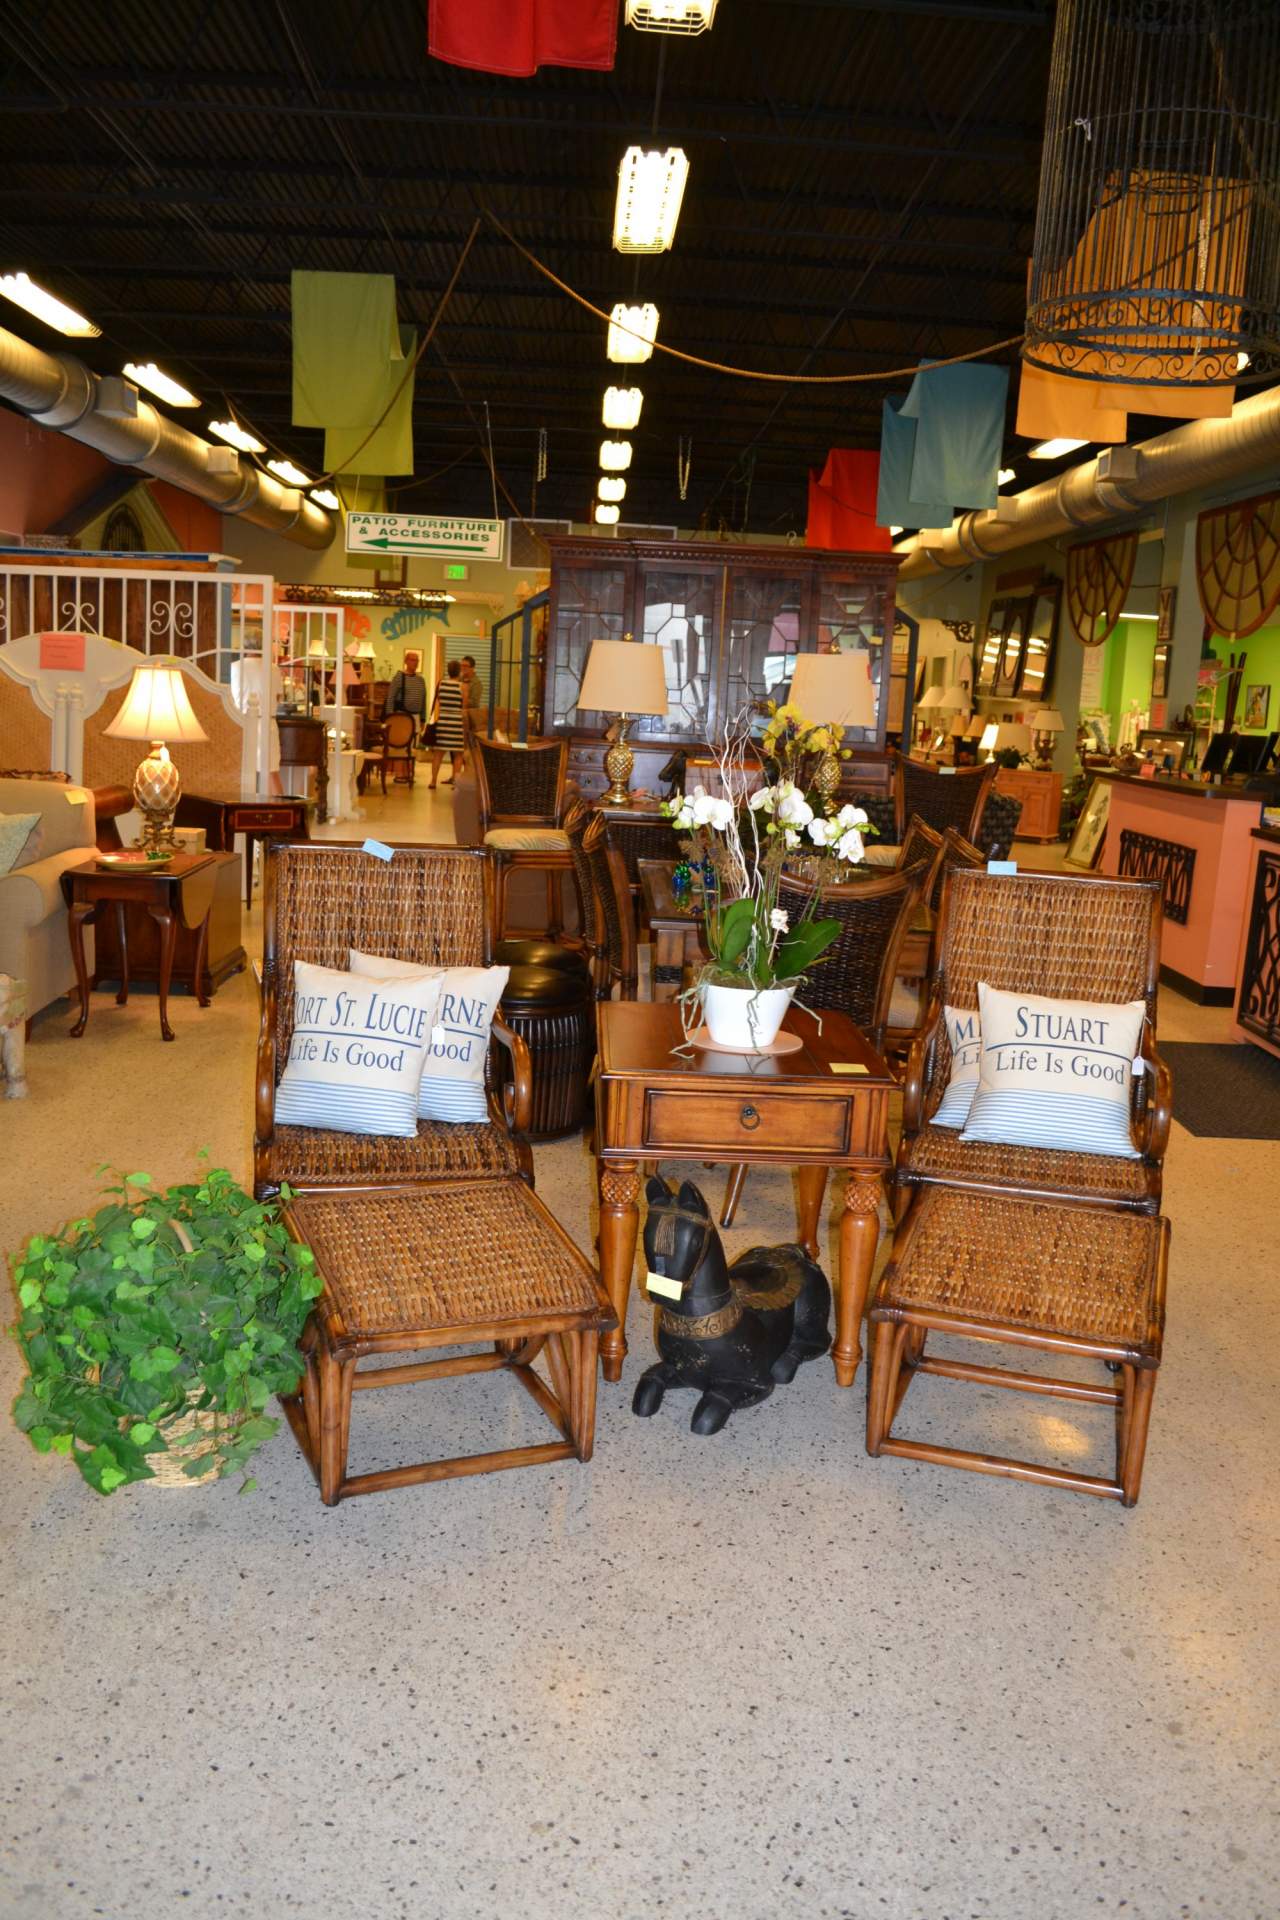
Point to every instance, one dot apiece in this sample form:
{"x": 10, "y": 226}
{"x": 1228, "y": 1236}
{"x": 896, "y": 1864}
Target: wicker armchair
{"x": 521, "y": 791}
{"x": 856, "y": 975}
{"x": 1068, "y": 936}
{"x": 954, "y": 798}
{"x": 398, "y": 730}
{"x": 614, "y": 907}
{"x": 432, "y": 904}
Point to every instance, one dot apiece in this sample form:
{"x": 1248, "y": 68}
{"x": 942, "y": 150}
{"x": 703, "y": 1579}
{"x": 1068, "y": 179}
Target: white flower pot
{"x": 745, "y": 1018}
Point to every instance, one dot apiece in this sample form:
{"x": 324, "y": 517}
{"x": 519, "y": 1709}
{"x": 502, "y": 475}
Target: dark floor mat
{"x": 1224, "y": 1092}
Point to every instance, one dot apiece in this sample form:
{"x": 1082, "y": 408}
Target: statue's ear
{"x": 691, "y": 1199}
{"x": 656, "y": 1190}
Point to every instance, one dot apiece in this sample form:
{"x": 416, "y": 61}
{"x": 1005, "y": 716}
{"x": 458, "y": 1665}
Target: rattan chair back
{"x": 954, "y": 798}
{"x": 521, "y": 786}
{"x": 397, "y": 731}
{"x": 614, "y": 904}
{"x": 653, "y": 838}
{"x": 999, "y": 823}
{"x": 1067, "y": 936}
{"x": 428, "y": 904}
{"x": 920, "y": 842}
{"x": 576, "y": 821}
{"x": 856, "y": 974}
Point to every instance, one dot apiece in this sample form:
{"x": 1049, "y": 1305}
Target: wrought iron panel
{"x": 1258, "y": 1008}
{"x": 1143, "y": 857}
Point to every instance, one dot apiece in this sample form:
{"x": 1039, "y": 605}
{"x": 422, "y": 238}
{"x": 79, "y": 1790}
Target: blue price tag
{"x": 378, "y": 849}
{"x": 1002, "y": 866}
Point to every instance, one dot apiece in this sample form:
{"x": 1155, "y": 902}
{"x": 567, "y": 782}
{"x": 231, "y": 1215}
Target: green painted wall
{"x": 1262, "y": 668}
{"x": 1130, "y": 652}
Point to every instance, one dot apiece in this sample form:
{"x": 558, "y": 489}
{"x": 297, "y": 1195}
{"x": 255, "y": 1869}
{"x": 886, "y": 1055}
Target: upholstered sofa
{"x": 33, "y": 917}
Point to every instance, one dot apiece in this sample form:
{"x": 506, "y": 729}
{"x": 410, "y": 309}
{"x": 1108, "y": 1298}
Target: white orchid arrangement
{"x": 749, "y": 836}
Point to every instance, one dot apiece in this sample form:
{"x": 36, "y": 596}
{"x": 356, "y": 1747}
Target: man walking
{"x": 408, "y": 692}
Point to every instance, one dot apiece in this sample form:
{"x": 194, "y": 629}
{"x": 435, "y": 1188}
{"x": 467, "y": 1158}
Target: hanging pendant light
{"x": 615, "y": 455}
{"x": 606, "y": 516}
{"x": 632, "y": 332}
{"x": 1157, "y": 248}
{"x": 622, "y": 408}
{"x": 650, "y": 190}
{"x": 670, "y": 16}
{"x": 610, "y": 488}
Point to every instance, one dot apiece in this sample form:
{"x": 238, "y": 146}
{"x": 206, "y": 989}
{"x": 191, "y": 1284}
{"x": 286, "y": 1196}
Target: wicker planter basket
{"x": 186, "y": 1435}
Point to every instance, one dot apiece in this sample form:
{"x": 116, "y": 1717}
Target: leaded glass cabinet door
{"x": 592, "y": 602}
{"x": 765, "y": 622}
{"x": 853, "y": 614}
{"x": 680, "y": 612}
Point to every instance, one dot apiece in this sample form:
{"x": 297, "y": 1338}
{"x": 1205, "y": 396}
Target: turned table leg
{"x": 122, "y": 941}
{"x": 859, "y": 1236}
{"x": 77, "y": 913}
{"x": 167, "y": 921}
{"x": 619, "y": 1224}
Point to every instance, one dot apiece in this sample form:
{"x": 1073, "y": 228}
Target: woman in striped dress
{"x": 447, "y": 712}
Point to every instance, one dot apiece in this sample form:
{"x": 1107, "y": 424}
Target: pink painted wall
{"x": 1205, "y": 949}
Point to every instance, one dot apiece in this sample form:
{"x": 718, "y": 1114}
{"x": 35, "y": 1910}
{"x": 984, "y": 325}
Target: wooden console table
{"x": 805, "y": 1110}
{"x": 179, "y": 895}
{"x": 1040, "y": 791}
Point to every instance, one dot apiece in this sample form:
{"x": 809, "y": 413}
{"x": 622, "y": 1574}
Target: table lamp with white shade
{"x": 157, "y": 708}
{"x": 626, "y": 678}
{"x": 833, "y": 689}
{"x": 999, "y": 735}
{"x": 1045, "y": 722}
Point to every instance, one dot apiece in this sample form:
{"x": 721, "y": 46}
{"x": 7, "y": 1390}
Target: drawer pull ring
{"x": 749, "y": 1118}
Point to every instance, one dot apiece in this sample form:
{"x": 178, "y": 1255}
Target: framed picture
{"x": 1166, "y": 743}
{"x": 1257, "y": 705}
{"x": 1166, "y": 601}
{"x": 1160, "y": 670}
{"x": 1091, "y": 828}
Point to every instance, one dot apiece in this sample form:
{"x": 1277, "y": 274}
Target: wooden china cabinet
{"x": 730, "y": 620}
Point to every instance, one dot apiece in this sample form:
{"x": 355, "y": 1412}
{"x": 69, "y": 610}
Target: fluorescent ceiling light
{"x": 1054, "y": 449}
{"x": 610, "y": 488}
{"x": 1005, "y": 475}
{"x": 615, "y": 455}
{"x": 622, "y": 408}
{"x": 23, "y": 291}
{"x": 285, "y": 470}
{"x": 650, "y": 190}
{"x": 606, "y": 516}
{"x": 671, "y": 16}
{"x": 632, "y": 332}
{"x": 1126, "y": 615}
{"x": 326, "y": 497}
{"x": 147, "y": 374}
{"x": 235, "y": 436}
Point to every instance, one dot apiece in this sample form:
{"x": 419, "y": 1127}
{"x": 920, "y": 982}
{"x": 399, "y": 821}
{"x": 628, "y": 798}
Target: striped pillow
{"x": 965, "y": 1035}
{"x": 357, "y": 1051}
{"x": 452, "y": 1085}
{"x": 1055, "y": 1073}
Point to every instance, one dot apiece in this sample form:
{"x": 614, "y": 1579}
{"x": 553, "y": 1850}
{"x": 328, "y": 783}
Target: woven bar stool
{"x": 460, "y": 1263}
{"x": 1026, "y": 1273}
{"x": 553, "y": 1009}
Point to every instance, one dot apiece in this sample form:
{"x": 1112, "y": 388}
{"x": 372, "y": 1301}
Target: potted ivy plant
{"x": 156, "y": 1330}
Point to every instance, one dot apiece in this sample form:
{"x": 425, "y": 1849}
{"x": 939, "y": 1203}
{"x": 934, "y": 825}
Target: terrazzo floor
{"x": 755, "y": 1676}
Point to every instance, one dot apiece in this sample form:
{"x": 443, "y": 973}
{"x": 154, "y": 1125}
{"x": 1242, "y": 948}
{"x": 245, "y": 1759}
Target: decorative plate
{"x": 133, "y": 860}
{"x": 784, "y": 1043}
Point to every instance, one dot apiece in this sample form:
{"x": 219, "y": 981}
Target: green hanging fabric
{"x": 361, "y": 493}
{"x": 391, "y": 448}
{"x": 345, "y": 341}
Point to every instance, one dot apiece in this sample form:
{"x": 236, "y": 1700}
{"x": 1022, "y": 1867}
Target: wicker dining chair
{"x": 428, "y": 904}
{"x": 951, "y": 798}
{"x": 590, "y": 919}
{"x": 397, "y": 747}
{"x": 521, "y": 792}
{"x": 615, "y": 908}
{"x": 856, "y": 975}
{"x": 1071, "y": 937}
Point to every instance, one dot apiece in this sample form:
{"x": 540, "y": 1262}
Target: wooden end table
{"x": 802, "y": 1110}
{"x": 258, "y": 816}
{"x": 675, "y": 922}
{"x": 181, "y": 892}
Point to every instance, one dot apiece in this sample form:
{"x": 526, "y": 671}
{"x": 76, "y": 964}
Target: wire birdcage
{"x": 1157, "y": 246}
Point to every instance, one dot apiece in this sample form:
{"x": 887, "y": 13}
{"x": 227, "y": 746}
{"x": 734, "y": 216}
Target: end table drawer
{"x": 261, "y": 819}
{"x": 782, "y": 1123}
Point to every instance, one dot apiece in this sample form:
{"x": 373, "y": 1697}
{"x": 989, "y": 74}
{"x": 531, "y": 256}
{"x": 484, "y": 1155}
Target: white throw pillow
{"x": 452, "y": 1086}
{"x": 357, "y": 1051}
{"x": 964, "y": 1031}
{"x": 1055, "y": 1073}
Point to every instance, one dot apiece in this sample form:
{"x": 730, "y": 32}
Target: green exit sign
{"x": 456, "y": 570}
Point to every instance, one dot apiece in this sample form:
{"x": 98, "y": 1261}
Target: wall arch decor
{"x": 1099, "y": 573}
{"x": 1238, "y": 564}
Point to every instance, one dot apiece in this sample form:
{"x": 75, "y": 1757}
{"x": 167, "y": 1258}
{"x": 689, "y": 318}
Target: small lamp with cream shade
{"x": 627, "y": 678}
{"x": 999, "y": 735}
{"x": 157, "y": 708}
{"x": 833, "y": 689}
{"x": 1045, "y": 722}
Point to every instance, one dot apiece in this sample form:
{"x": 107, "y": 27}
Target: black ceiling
{"x": 862, "y": 193}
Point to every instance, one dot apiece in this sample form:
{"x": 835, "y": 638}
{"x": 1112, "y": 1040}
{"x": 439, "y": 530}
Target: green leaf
{"x": 41, "y": 1439}
{"x": 143, "y": 1228}
{"x": 138, "y": 1179}
{"x": 63, "y": 1442}
{"x": 733, "y": 931}
{"x": 29, "y": 1293}
{"x": 798, "y": 950}
{"x": 141, "y": 1432}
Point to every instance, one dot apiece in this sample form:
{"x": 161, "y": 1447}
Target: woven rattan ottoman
{"x": 448, "y": 1265}
{"x": 1066, "y": 1279}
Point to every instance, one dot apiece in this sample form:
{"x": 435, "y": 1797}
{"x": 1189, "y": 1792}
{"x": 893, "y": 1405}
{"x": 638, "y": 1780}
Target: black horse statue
{"x": 734, "y": 1333}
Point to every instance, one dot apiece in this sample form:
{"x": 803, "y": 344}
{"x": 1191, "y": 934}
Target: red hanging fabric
{"x": 842, "y": 504}
{"x": 516, "y": 37}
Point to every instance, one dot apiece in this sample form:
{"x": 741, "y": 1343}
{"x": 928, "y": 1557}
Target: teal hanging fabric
{"x": 895, "y": 506}
{"x": 959, "y": 413}
{"x": 345, "y": 342}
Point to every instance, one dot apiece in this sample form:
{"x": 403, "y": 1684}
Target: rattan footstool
{"x": 1066, "y": 1279}
{"x": 448, "y": 1265}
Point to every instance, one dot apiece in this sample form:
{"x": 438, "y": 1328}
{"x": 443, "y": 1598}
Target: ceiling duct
{"x": 110, "y": 415}
{"x": 1119, "y": 482}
